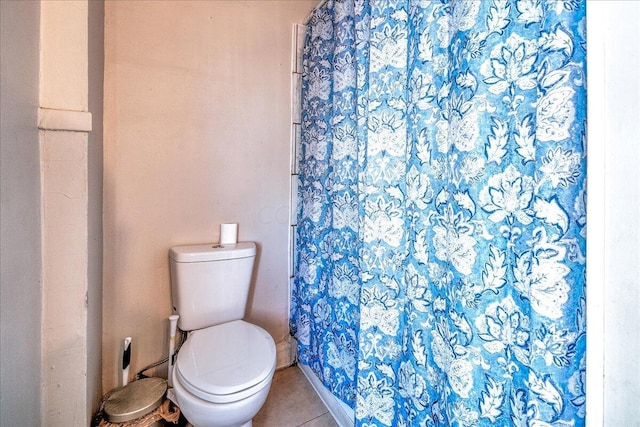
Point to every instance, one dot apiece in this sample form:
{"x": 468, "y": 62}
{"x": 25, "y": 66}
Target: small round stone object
{"x": 135, "y": 400}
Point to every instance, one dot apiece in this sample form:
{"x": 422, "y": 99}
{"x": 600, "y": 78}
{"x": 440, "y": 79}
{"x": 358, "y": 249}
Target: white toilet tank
{"x": 210, "y": 283}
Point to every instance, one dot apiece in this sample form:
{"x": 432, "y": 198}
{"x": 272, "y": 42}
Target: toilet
{"x": 223, "y": 371}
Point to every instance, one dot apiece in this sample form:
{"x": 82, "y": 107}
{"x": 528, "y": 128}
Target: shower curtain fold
{"x": 441, "y": 226}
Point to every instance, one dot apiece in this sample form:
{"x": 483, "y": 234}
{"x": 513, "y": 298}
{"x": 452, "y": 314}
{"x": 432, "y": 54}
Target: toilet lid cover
{"x": 226, "y": 359}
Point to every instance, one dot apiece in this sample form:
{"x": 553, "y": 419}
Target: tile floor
{"x": 292, "y": 402}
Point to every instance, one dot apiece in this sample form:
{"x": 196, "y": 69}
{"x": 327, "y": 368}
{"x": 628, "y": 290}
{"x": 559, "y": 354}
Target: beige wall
{"x": 64, "y": 124}
{"x": 197, "y": 129}
{"x": 613, "y": 244}
{"x": 20, "y": 237}
{"x": 46, "y": 365}
{"x": 95, "y": 24}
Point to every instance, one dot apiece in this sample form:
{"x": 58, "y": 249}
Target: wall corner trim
{"x": 64, "y": 120}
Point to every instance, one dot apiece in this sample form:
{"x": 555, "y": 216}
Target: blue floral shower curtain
{"x": 441, "y": 230}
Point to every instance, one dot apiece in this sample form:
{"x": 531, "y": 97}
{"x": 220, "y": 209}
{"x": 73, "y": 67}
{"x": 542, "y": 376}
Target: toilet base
{"x": 248, "y": 424}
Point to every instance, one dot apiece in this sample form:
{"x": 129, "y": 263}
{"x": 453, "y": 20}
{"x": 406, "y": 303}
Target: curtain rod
{"x": 318, "y": 6}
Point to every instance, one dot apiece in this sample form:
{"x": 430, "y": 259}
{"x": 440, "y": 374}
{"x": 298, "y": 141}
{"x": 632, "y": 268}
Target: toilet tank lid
{"x": 212, "y": 252}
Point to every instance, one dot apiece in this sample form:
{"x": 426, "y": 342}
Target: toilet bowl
{"x": 223, "y": 373}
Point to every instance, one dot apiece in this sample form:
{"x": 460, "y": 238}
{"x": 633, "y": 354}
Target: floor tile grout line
{"x": 311, "y": 419}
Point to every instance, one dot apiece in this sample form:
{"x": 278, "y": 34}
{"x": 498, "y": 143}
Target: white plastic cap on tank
{"x": 212, "y": 252}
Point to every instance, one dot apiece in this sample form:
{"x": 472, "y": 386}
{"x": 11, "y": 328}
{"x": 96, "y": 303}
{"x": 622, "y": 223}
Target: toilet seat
{"x": 227, "y": 362}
